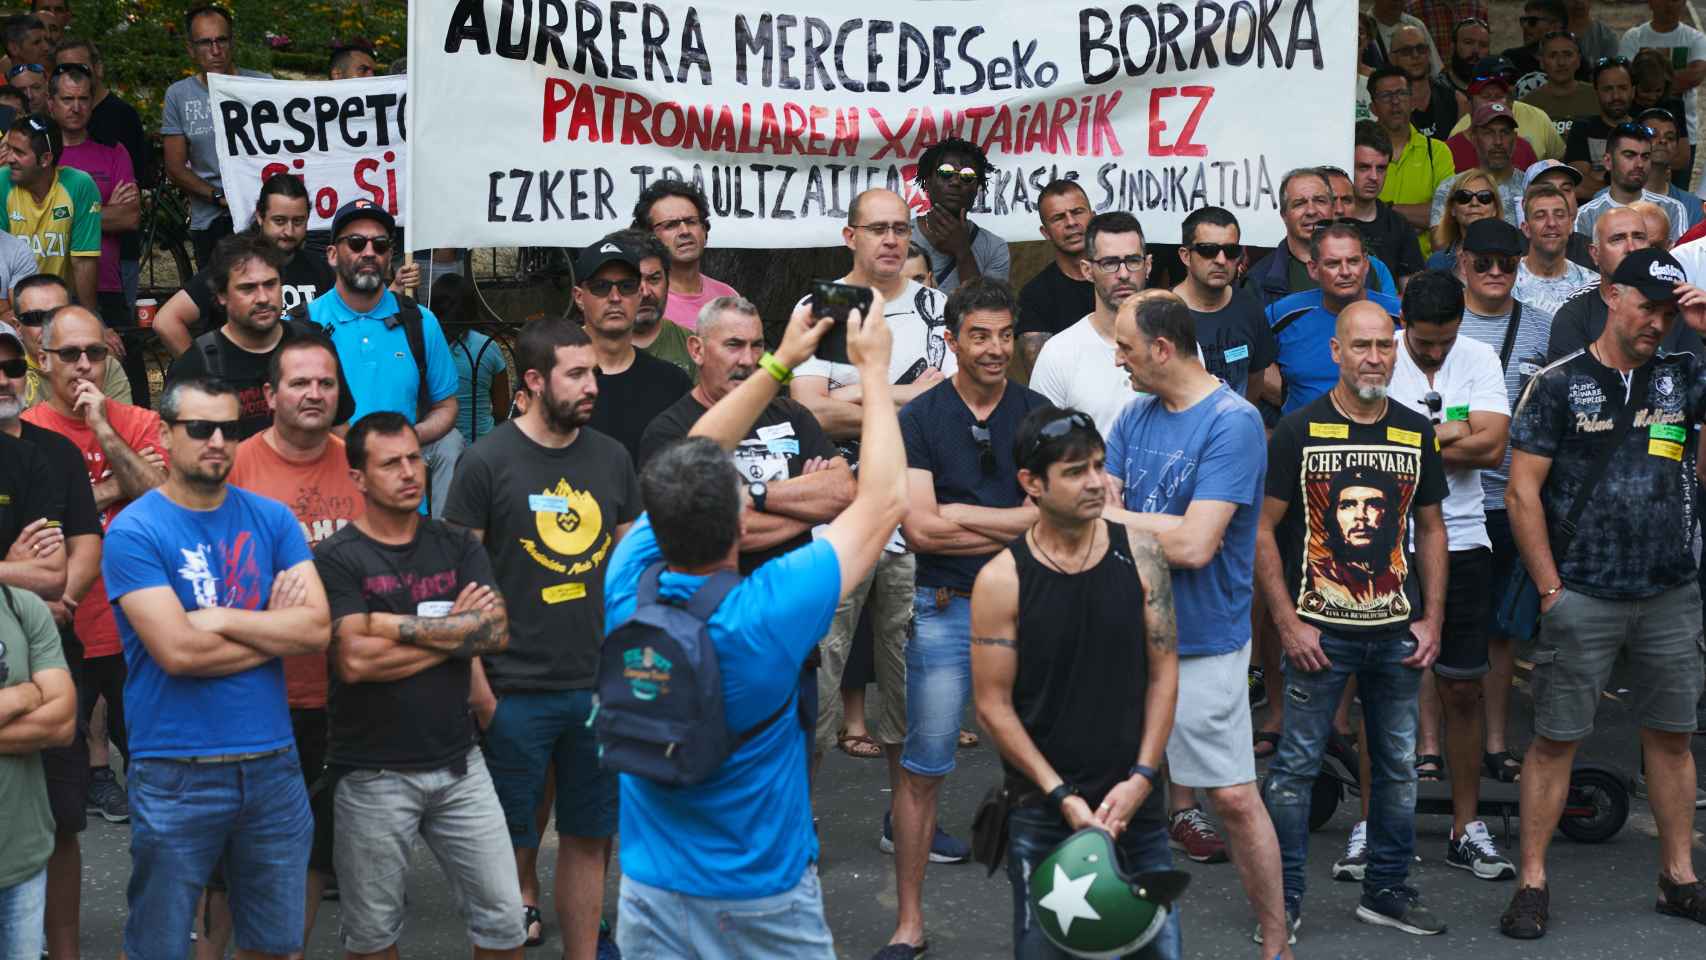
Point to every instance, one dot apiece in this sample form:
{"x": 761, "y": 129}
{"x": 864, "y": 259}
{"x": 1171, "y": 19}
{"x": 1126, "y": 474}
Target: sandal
{"x": 858, "y": 745}
{"x": 968, "y": 740}
{"x": 531, "y": 913}
{"x": 1502, "y": 766}
{"x": 1269, "y": 740}
{"x": 1435, "y": 764}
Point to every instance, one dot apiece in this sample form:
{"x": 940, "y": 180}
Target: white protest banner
{"x": 346, "y": 139}
{"x": 540, "y": 121}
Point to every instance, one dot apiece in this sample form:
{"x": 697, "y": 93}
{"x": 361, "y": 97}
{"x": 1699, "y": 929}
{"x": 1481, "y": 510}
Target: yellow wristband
{"x": 774, "y": 367}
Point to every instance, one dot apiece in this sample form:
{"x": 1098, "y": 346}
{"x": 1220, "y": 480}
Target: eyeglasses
{"x": 1394, "y": 95}
{"x": 1485, "y": 262}
{"x": 985, "y": 449}
{"x": 20, "y": 68}
{"x": 1208, "y": 251}
{"x": 203, "y": 429}
{"x": 208, "y": 43}
{"x": 35, "y": 124}
{"x": 1413, "y": 50}
{"x": 670, "y": 226}
{"x": 14, "y": 368}
{"x": 1112, "y": 265}
{"x": 1479, "y": 196}
{"x": 1058, "y": 428}
{"x": 33, "y": 318}
{"x": 601, "y": 288}
{"x": 77, "y": 68}
{"x": 357, "y": 242}
{"x": 948, "y": 171}
{"x": 96, "y": 352}
{"x": 900, "y": 231}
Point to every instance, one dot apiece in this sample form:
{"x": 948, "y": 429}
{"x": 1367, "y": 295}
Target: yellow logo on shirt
{"x": 1408, "y": 438}
{"x": 1330, "y": 431}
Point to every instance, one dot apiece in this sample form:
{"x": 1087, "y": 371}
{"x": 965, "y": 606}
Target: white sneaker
{"x": 1354, "y": 863}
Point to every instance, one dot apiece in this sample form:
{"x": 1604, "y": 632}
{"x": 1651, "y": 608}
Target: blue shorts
{"x": 938, "y": 682}
{"x": 652, "y": 922}
{"x": 185, "y": 817}
{"x": 532, "y": 730}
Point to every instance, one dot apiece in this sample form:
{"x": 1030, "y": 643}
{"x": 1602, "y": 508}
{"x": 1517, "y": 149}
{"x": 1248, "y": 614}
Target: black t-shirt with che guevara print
{"x": 1633, "y": 538}
{"x": 1353, "y": 489}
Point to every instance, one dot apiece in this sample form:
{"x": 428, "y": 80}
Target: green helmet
{"x": 1088, "y": 907}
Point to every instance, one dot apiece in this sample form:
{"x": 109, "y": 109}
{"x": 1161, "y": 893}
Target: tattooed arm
{"x": 478, "y": 624}
{"x": 1161, "y": 630}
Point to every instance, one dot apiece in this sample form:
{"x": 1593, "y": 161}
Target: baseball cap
{"x": 1488, "y": 112}
{"x": 1546, "y": 166}
{"x": 363, "y": 209}
{"x": 603, "y": 252}
{"x": 1491, "y": 70}
{"x": 8, "y": 332}
{"x": 1653, "y": 272}
{"x": 1493, "y": 235}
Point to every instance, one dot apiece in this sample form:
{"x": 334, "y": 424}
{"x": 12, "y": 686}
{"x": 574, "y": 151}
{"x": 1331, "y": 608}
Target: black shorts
{"x": 1505, "y": 557}
{"x": 1468, "y": 608}
{"x": 310, "y": 727}
{"x": 67, "y": 772}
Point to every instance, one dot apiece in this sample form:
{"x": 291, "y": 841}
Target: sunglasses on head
{"x": 1057, "y": 428}
{"x": 15, "y": 368}
{"x": 1479, "y": 196}
{"x": 203, "y": 429}
{"x": 1208, "y": 251}
{"x": 948, "y": 171}
{"x": 1485, "y": 262}
{"x": 96, "y": 352}
{"x": 1347, "y": 221}
{"x": 77, "y": 68}
{"x": 357, "y": 242}
{"x": 1630, "y": 128}
{"x": 33, "y": 318}
{"x": 20, "y": 68}
{"x": 985, "y": 449}
{"x": 1555, "y": 34}
{"x": 601, "y": 288}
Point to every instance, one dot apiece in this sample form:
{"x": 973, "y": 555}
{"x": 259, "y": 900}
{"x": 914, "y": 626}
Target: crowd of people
{"x": 1156, "y": 515}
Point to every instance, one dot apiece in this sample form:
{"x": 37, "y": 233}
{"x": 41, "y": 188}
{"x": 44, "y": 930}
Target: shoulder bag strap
{"x": 1510, "y": 336}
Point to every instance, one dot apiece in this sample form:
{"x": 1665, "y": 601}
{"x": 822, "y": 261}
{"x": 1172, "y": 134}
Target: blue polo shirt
{"x": 376, "y": 357}
{"x": 1302, "y": 331}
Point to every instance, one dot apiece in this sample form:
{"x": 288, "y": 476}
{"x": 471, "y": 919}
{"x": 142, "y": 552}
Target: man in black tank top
{"x": 1077, "y": 691}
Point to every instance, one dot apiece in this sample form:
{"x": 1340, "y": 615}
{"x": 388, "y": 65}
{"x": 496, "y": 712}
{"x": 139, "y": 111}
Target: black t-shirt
{"x": 1581, "y": 320}
{"x": 1441, "y": 115}
{"x": 1394, "y": 241}
{"x": 243, "y": 370}
{"x": 1352, "y": 489}
{"x": 777, "y": 447}
{"x": 28, "y": 490}
{"x": 1053, "y": 301}
{"x": 116, "y": 123}
{"x": 629, "y": 401}
{"x": 1235, "y": 341}
{"x": 303, "y": 278}
{"x": 550, "y": 519}
{"x": 420, "y": 722}
{"x": 1586, "y": 142}
{"x": 67, "y": 471}
{"x": 1633, "y": 540}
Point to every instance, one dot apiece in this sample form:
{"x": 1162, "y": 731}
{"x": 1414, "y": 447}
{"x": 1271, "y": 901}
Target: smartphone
{"x": 835, "y": 301}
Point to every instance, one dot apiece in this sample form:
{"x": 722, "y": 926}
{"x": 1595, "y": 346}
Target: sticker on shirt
{"x": 1356, "y": 507}
{"x": 1666, "y": 440}
{"x": 776, "y": 431}
{"x": 1457, "y": 413}
{"x": 562, "y": 592}
{"x": 434, "y": 608}
{"x": 757, "y": 461}
{"x": 571, "y": 527}
{"x": 1330, "y": 431}
{"x": 1235, "y": 354}
{"x": 1409, "y": 438}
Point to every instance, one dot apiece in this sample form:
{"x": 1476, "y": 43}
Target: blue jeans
{"x": 1033, "y": 833}
{"x": 184, "y": 817}
{"x": 1389, "y": 701}
{"x": 938, "y": 682}
{"x": 657, "y": 924}
{"x": 22, "y": 906}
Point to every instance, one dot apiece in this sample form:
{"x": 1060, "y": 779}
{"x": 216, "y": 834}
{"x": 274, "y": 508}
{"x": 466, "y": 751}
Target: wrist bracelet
{"x": 775, "y": 368}
{"x": 1058, "y": 796}
{"x": 1146, "y": 772}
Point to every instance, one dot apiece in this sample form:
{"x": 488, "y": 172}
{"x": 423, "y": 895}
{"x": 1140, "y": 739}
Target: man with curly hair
{"x": 952, "y": 172}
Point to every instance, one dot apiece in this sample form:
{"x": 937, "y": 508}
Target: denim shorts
{"x": 938, "y": 682}
{"x": 184, "y": 817}
{"x": 530, "y": 731}
{"x": 23, "y": 906}
{"x": 1033, "y": 833}
{"x": 657, "y": 924}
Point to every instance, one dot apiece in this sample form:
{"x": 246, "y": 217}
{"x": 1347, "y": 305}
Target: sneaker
{"x": 1293, "y": 920}
{"x": 1354, "y": 863}
{"x": 1525, "y": 918}
{"x": 1258, "y": 688}
{"x": 1190, "y": 832}
{"x": 943, "y": 847}
{"x": 1641, "y": 792}
{"x": 1685, "y": 900}
{"x": 1476, "y": 853}
{"x": 107, "y": 797}
{"x": 1399, "y": 907}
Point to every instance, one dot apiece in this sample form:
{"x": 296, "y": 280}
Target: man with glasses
{"x": 1565, "y": 95}
{"x": 1388, "y": 16}
{"x": 654, "y": 332}
{"x": 35, "y": 298}
{"x": 1628, "y": 152}
{"x": 1685, "y": 47}
{"x": 186, "y": 126}
{"x": 1302, "y": 322}
{"x": 1076, "y": 369}
{"x": 1614, "y": 87}
{"x": 633, "y": 386}
{"x": 1061, "y": 292}
{"x": 57, "y": 209}
{"x": 1667, "y": 155}
{"x": 213, "y": 586}
{"x": 1420, "y": 163}
{"x": 967, "y": 505}
{"x": 29, "y": 79}
{"x": 677, "y": 213}
{"x": 1431, "y": 105}
{"x": 27, "y": 41}
{"x": 952, "y": 172}
{"x": 1392, "y": 238}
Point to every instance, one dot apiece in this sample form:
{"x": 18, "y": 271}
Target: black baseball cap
{"x": 605, "y": 251}
{"x": 363, "y": 209}
{"x": 1493, "y": 235}
{"x": 1653, "y": 272}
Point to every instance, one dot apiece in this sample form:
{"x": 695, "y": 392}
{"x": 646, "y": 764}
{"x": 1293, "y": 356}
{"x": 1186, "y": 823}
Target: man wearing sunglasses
{"x": 1236, "y": 344}
{"x": 35, "y": 298}
{"x": 952, "y": 172}
{"x": 1628, "y": 152}
{"x": 56, "y": 208}
{"x": 1614, "y": 86}
{"x": 186, "y": 125}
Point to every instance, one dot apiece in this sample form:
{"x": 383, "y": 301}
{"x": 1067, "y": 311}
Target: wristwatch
{"x": 1058, "y": 796}
{"x": 756, "y": 490}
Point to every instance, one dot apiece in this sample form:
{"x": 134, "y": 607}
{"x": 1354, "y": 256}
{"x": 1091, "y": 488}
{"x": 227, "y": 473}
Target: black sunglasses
{"x": 1346, "y": 221}
{"x": 357, "y": 242}
{"x": 1485, "y": 262}
{"x": 95, "y": 351}
{"x": 1479, "y": 196}
{"x": 601, "y": 288}
{"x": 33, "y": 318}
{"x": 1208, "y": 251}
{"x": 1630, "y": 128}
{"x": 71, "y": 67}
{"x": 985, "y": 449}
{"x": 15, "y": 368}
{"x": 1057, "y": 428}
{"x": 1608, "y": 63}
{"x": 1555, "y": 34}
{"x": 1657, "y": 113}
{"x": 203, "y": 429}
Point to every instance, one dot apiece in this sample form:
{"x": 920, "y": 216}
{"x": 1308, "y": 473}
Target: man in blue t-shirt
{"x": 212, "y": 585}
{"x": 745, "y": 833}
{"x": 1188, "y": 458}
{"x": 1302, "y": 323}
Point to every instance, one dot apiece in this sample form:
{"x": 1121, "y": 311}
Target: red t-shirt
{"x": 324, "y": 499}
{"x": 1464, "y": 155}
{"x": 139, "y": 428}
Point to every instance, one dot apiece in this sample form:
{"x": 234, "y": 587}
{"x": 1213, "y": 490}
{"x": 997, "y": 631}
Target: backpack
{"x": 409, "y": 315}
{"x": 295, "y": 326}
{"x": 660, "y": 688}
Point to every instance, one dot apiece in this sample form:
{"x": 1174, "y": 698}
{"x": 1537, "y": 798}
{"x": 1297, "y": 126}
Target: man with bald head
{"x": 1619, "y": 232}
{"x": 1348, "y": 474}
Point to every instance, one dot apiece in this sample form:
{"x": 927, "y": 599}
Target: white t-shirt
{"x": 1469, "y": 381}
{"x": 1076, "y": 369}
{"x": 1685, "y": 45}
{"x": 1549, "y": 293}
{"x": 920, "y": 329}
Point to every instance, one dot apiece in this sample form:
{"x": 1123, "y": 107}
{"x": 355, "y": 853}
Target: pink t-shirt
{"x": 684, "y": 309}
{"x": 108, "y": 167}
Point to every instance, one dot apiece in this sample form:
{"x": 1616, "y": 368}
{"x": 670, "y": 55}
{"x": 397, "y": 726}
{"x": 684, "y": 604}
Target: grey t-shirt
{"x": 1528, "y": 353}
{"x": 189, "y": 113}
{"x": 17, "y": 261}
{"x": 989, "y": 250}
{"x": 550, "y": 519}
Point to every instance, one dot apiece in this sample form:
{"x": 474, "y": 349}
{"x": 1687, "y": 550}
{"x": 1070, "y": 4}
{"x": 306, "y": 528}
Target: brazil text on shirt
{"x": 1302, "y": 328}
{"x": 747, "y": 831}
{"x": 65, "y": 223}
{"x": 374, "y": 350}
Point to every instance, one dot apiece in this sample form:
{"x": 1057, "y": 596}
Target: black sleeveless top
{"x": 1083, "y": 670}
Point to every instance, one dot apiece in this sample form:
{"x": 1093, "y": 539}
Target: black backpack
{"x": 409, "y": 315}
{"x": 213, "y": 359}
